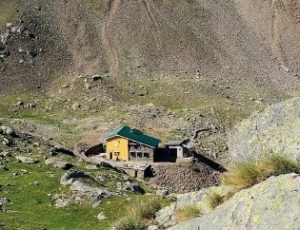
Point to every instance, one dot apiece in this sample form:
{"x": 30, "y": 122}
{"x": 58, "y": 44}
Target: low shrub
{"x": 243, "y": 176}
{"x": 129, "y": 223}
{"x": 141, "y": 215}
{"x": 215, "y": 199}
{"x": 276, "y": 164}
{"x": 148, "y": 208}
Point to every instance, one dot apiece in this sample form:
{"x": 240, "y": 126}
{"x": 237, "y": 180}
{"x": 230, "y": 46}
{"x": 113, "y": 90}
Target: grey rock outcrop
{"x": 93, "y": 193}
{"x": 83, "y": 190}
{"x": 6, "y": 131}
{"x": 56, "y": 163}
{"x": 129, "y": 186}
{"x": 4, "y": 154}
{"x": 272, "y": 204}
{"x": 276, "y": 130}
{"x": 152, "y": 227}
{"x": 74, "y": 175}
{"x": 162, "y": 192}
{"x": 167, "y": 215}
{"x": 3, "y": 202}
{"x": 26, "y": 160}
{"x": 101, "y": 216}
{"x": 81, "y": 187}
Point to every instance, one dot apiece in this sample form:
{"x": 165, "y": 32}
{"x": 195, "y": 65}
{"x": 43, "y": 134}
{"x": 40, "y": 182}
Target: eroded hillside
{"x": 169, "y": 67}
{"x": 277, "y": 23}
{"x": 148, "y": 39}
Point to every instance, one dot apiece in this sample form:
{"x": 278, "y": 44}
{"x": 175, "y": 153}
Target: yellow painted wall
{"x": 117, "y": 144}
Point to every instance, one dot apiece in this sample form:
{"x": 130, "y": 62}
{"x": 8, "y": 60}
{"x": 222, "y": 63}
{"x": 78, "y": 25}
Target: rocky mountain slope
{"x": 276, "y": 23}
{"x": 144, "y": 39}
{"x": 276, "y": 130}
{"x": 272, "y": 204}
{"x": 265, "y": 205}
{"x": 169, "y": 68}
{"x": 70, "y": 70}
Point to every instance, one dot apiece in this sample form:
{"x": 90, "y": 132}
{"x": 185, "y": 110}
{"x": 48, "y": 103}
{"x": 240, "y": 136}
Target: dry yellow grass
{"x": 129, "y": 223}
{"x": 146, "y": 209}
{"x": 188, "y": 212}
{"x": 247, "y": 174}
{"x": 243, "y": 176}
{"x": 141, "y": 215}
{"x": 215, "y": 199}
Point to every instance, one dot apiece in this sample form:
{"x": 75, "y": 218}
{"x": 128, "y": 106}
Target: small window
{"x": 146, "y": 155}
{"x": 139, "y": 154}
{"x": 133, "y": 154}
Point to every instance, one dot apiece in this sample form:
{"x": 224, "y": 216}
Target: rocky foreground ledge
{"x": 272, "y": 204}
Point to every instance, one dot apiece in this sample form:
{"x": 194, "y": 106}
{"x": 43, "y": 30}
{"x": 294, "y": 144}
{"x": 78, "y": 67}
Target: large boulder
{"x": 133, "y": 187}
{"x": 5, "y": 130}
{"x": 272, "y": 204}
{"x": 26, "y": 160}
{"x": 61, "y": 149}
{"x": 101, "y": 216}
{"x": 74, "y": 175}
{"x": 276, "y": 130}
{"x": 93, "y": 193}
{"x": 83, "y": 190}
{"x": 3, "y": 202}
{"x": 56, "y": 163}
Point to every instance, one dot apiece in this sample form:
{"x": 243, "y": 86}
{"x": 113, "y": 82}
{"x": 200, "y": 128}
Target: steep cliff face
{"x": 276, "y": 130}
{"x": 272, "y": 204}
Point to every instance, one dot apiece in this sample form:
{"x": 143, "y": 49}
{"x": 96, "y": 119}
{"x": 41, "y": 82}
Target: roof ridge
{"x": 127, "y": 132}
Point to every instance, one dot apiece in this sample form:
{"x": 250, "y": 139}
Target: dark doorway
{"x": 165, "y": 155}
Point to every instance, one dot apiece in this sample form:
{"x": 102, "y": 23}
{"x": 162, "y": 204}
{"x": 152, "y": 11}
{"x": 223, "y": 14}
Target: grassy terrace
{"x": 179, "y": 94}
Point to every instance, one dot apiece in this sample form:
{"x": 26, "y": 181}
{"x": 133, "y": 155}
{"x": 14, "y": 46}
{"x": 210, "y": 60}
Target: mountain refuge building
{"x": 129, "y": 144}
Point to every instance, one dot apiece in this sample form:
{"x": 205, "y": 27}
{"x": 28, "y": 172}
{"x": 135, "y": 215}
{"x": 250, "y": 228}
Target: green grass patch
{"x": 32, "y": 204}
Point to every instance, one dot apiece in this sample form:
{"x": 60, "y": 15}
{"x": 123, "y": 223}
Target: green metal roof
{"x": 134, "y": 135}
